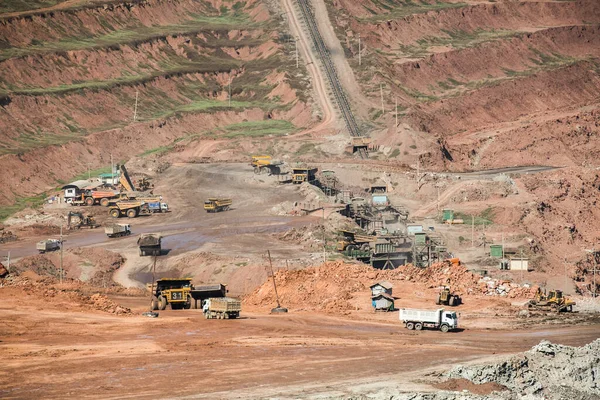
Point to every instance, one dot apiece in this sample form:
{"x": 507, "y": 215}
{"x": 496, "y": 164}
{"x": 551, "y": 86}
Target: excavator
{"x": 81, "y": 221}
{"x": 553, "y": 301}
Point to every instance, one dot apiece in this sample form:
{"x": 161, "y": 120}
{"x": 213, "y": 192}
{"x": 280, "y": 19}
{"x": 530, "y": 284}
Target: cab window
{"x": 449, "y": 316}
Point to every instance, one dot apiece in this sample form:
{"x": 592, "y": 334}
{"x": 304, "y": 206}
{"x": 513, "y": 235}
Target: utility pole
{"x": 396, "y": 110}
{"x": 297, "y": 61}
{"x": 593, "y": 251}
{"x": 112, "y": 171}
{"x": 136, "y": 105}
{"x": 359, "y": 51}
{"x": 229, "y": 90}
{"x": 324, "y": 255}
{"x": 381, "y": 92}
{"x": 61, "y": 255}
{"x": 472, "y": 231}
{"x": 8, "y": 262}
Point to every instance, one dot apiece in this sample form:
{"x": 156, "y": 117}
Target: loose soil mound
{"x": 459, "y": 385}
{"x": 68, "y": 295}
{"x": 331, "y": 287}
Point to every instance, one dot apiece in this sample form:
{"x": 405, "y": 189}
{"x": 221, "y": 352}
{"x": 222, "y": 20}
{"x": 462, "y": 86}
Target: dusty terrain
{"x": 489, "y": 108}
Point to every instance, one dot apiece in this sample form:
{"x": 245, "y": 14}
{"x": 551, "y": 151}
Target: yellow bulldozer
{"x": 448, "y": 298}
{"x": 553, "y": 301}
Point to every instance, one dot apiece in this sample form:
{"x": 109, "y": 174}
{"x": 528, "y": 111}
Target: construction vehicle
{"x": 131, "y": 208}
{"x": 181, "y": 294}
{"x": 149, "y": 244}
{"x": 265, "y": 164}
{"x": 117, "y": 230}
{"x": 82, "y": 221}
{"x": 352, "y": 242}
{"x": 93, "y": 197}
{"x": 303, "y": 174}
{"x": 447, "y": 298}
{"x": 221, "y": 308}
{"x": 438, "y": 319}
{"x": 144, "y": 184}
{"x": 48, "y": 245}
{"x": 382, "y": 251}
{"x": 215, "y": 204}
{"x": 158, "y": 207}
{"x": 553, "y": 301}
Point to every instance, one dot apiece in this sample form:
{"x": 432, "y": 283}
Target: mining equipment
{"x": 180, "y": 293}
{"x": 553, "y": 301}
{"x": 448, "y": 298}
{"x": 217, "y": 204}
{"x": 130, "y": 208}
{"x": 82, "y": 221}
{"x": 265, "y": 164}
{"x": 150, "y": 244}
{"x": 117, "y": 230}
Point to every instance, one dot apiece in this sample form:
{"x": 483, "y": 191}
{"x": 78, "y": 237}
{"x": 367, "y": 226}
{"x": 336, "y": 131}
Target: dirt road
{"x": 181, "y": 354}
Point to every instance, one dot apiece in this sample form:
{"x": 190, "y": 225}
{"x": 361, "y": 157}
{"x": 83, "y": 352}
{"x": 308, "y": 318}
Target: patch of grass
{"x": 486, "y": 217}
{"x": 10, "y": 6}
{"x": 402, "y": 8}
{"x": 258, "y": 128}
{"x": 395, "y": 153}
{"x": 20, "y": 204}
{"x": 196, "y": 23}
{"x": 457, "y": 39}
{"x": 93, "y": 173}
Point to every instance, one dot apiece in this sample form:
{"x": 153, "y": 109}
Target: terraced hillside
{"x": 86, "y": 79}
{"x": 485, "y": 84}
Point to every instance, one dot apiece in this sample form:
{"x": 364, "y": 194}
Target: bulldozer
{"x": 553, "y": 301}
{"x": 448, "y": 298}
{"x": 76, "y": 220}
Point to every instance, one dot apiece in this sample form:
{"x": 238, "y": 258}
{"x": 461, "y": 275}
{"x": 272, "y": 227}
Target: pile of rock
{"x": 496, "y": 287}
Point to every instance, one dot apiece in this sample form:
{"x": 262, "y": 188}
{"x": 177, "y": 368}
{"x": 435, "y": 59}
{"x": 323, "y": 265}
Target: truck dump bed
{"x": 408, "y": 314}
{"x": 225, "y": 304}
{"x": 150, "y": 239}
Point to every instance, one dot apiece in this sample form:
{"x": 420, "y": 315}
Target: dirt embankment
{"x": 501, "y": 16}
{"x": 69, "y": 295}
{"x": 99, "y": 20}
{"x": 458, "y": 70}
{"x": 340, "y": 287}
{"x": 572, "y": 86}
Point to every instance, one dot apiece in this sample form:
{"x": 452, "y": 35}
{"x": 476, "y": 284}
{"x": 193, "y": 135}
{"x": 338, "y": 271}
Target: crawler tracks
{"x": 331, "y": 73}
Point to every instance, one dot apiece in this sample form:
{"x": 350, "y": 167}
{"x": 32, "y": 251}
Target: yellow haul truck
{"x": 215, "y": 204}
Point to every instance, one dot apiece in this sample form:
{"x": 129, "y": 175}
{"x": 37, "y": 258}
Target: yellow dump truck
{"x": 216, "y": 204}
{"x": 265, "y": 164}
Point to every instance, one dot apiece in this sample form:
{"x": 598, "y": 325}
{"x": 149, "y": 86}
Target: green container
{"x": 420, "y": 238}
{"x": 448, "y": 215}
{"x": 496, "y": 250}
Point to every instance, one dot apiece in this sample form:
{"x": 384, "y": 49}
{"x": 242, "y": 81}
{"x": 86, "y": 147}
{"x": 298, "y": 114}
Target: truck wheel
{"x": 162, "y": 302}
{"x": 104, "y": 202}
{"x": 444, "y": 328}
{"x": 410, "y": 326}
{"x": 114, "y": 213}
{"x": 154, "y": 303}
{"x": 192, "y": 302}
{"x": 225, "y": 316}
{"x": 418, "y": 326}
{"x": 438, "y": 301}
{"x": 89, "y": 201}
{"x": 131, "y": 213}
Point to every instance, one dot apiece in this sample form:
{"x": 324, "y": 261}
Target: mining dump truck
{"x": 438, "y": 319}
{"x": 265, "y": 164}
{"x": 215, "y": 204}
{"x": 221, "y": 308}
{"x": 117, "y": 230}
{"x": 76, "y": 220}
{"x": 181, "y": 294}
{"x": 149, "y": 244}
{"x": 48, "y": 245}
{"x": 130, "y": 208}
{"x": 303, "y": 174}
{"x": 447, "y": 298}
{"x": 553, "y": 301}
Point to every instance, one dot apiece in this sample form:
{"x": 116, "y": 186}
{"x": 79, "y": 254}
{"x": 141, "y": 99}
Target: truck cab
{"x": 450, "y": 319}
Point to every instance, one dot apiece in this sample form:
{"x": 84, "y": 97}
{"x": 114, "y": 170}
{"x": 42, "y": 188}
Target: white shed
{"x": 519, "y": 264}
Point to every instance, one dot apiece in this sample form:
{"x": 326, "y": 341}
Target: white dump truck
{"x": 437, "y": 319}
{"x": 221, "y": 308}
{"x": 48, "y": 245}
{"x": 117, "y": 230}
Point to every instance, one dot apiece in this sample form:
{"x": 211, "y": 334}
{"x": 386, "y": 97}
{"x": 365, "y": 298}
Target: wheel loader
{"x": 553, "y": 301}
{"x": 446, "y": 297}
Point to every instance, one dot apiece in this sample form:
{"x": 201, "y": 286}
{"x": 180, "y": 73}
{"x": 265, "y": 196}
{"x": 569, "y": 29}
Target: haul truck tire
{"x": 154, "y": 303}
{"x": 89, "y": 201}
{"x": 444, "y": 328}
{"x": 104, "y": 202}
{"x": 410, "y": 326}
{"x": 131, "y": 213}
{"x": 418, "y": 326}
{"x": 162, "y": 302}
{"x": 114, "y": 213}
